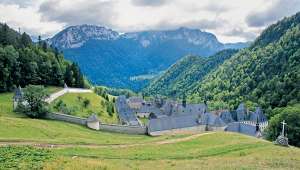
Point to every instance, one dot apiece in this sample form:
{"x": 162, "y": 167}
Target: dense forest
{"x": 185, "y": 74}
{"x": 24, "y": 62}
{"x": 266, "y": 74}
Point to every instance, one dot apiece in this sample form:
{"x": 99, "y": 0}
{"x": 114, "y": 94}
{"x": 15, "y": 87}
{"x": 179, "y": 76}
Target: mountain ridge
{"x": 102, "y": 33}
{"x": 110, "y": 58}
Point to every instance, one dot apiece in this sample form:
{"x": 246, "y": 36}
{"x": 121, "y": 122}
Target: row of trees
{"x": 22, "y": 62}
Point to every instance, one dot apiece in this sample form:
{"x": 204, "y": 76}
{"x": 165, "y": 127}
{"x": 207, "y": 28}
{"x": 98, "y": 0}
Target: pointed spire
{"x": 65, "y": 86}
{"x": 18, "y": 93}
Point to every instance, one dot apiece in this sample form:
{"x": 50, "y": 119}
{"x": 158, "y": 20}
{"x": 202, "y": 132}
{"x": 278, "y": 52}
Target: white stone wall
{"x": 143, "y": 115}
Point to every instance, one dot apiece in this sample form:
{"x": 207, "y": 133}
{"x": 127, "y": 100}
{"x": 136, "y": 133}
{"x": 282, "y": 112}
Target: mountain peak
{"x": 76, "y": 36}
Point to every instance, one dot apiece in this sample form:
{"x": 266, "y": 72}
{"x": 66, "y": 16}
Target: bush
{"x": 59, "y": 105}
{"x": 86, "y": 102}
{"x": 35, "y": 106}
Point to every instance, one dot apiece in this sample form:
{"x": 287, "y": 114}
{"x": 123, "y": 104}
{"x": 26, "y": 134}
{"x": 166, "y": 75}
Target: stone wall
{"x": 138, "y": 130}
{"x": 66, "y": 118}
{"x": 194, "y": 129}
{"x": 239, "y": 127}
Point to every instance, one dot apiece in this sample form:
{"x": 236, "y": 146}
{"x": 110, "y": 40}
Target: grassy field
{"x": 98, "y": 106}
{"x": 213, "y": 151}
{"x": 6, "y": 102}
{"x": 17, "y": 127}
{"x": 80, "y": 148}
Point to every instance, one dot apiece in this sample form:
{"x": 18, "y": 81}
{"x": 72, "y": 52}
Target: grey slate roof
{"x": 226, "y": 116}
{"x": 174, "y": 108}
{"x": 211, "y": 119}
{"x": 126, "y": 114}
{"x": 134, "y": 99}
{"x": 258, "y": 115}
{"x": 184, "y": 121}
{"x": 92, "y": 118}
{"x": 149, "y": 109}
{"x": 172, "y": 122}
{"x": 241, "y": 112}
{"x": 18, "y": 93}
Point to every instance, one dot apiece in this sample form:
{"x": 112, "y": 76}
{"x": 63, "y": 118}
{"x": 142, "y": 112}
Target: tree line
{"x": 24, "y": 62}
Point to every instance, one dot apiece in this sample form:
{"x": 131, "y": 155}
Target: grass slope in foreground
{"x": 211, "y": 151}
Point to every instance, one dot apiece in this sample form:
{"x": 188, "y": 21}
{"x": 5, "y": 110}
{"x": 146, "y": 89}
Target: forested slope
{"x": 267, "y": 73}
{"x": 186, "y": 73}
{"x": 23, "y": 62}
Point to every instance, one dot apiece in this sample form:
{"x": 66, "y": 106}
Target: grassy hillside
{"x": 17, "y": 127}
{"x": 211, "y": 151}
{"x": 185, "y": 74}
{"x": 77, "y": 147}
{"x": 98, "y": 105}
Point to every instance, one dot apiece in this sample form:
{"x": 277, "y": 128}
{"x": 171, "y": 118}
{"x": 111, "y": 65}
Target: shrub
{"x": 86, "y": 102}
{"x": 59, "y": 105}
{"x": 35, "y": 106}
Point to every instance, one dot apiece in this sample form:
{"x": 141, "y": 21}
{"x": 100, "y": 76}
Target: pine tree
{"x": 25, "y": 40}
{"x": 69, "y": 76}
{"x": 45, "y": 46}
{"x": 40, "y": 40}
{"x": 4, "y": 35}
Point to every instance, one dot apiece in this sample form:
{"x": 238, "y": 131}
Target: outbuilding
{"x": 93, "y": 122}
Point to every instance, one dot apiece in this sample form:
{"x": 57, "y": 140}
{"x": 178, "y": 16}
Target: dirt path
{"x": 46, "y": 145}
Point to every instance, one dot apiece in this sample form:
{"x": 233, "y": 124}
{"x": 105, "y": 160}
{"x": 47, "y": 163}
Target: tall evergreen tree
{"x": 45, "y": 46}
{"x": 25, "y": 40}
{"x": 40, "y": 40}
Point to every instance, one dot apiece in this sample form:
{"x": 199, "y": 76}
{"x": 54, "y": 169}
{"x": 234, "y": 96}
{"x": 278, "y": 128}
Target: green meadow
{"x": 60, "y": 145}
{"x": 97, "y": 105}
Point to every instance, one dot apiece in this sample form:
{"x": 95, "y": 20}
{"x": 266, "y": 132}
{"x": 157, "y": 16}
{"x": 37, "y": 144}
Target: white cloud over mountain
{"x": 230, "y": 20}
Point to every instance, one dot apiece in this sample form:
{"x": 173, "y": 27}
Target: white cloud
{"x": 149, "y": 2}
{"x": 28, "y": 20}
{"x": 229, "y": 20}
{"x": 277, "y": 10}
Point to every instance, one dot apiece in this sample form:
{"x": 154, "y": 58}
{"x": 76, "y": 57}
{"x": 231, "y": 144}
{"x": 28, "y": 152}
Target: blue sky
{"x": 229, "y": 20}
